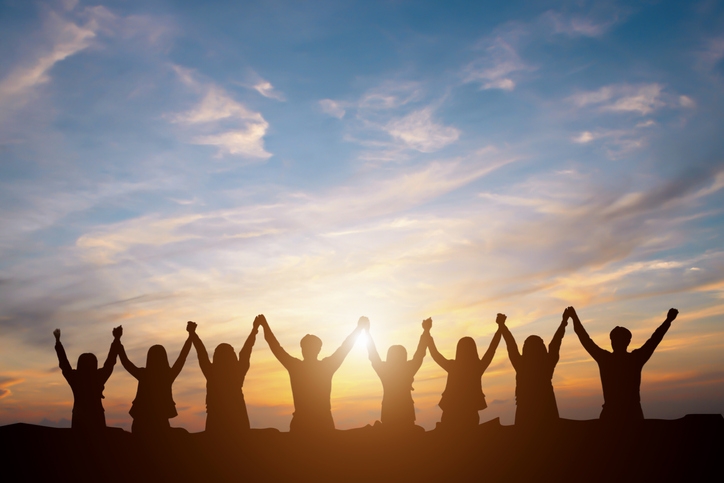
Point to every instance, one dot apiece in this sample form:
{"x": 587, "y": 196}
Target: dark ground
{"x": 689, "y": 449}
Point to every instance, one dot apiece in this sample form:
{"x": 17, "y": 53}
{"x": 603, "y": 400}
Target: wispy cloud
{"x": 418, "y": 131}
{"x": 333, "y": 108}
{"x": 265, "y": 88}
{"x": 641, "y": 99}
{"x": 228, "y": 124}
{"x": 498, "y": 67}
{"x": 576, "y": 25}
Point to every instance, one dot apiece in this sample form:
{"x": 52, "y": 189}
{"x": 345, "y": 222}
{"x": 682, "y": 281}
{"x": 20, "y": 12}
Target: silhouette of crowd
{"x": 311, "y": 379}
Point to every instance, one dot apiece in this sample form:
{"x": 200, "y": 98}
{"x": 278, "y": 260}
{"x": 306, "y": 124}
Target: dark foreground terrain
{"x": 689, "y": 449}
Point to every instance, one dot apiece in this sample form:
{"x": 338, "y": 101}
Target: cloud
{"x": 66, "y": 38}
{"x": 641, "y": 99}
{"x": 333, "y": 108}
{"x": 265, "y": 88}
{"x": 580, "y": 25}
{"x": 229, "y": 125}
{"x": 497, "y": 68}
{"x": 6, "y": 383}
{"x": 418, "y": 131}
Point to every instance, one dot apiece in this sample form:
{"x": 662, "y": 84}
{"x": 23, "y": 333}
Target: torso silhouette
{"x": 311, "y": 382}
{"x": 534, "y": 396}
{"x": 464, "y": 388}
{"x": 225, "y": 405}
{"x": 397, "y": 405}
{"x": 154, "y": 398}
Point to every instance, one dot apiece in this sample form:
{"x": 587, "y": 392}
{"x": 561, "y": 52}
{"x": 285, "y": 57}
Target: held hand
{"x": 564, "y": 318}
{"x": 363, "y": 323}
{"x": 260, "y": 321}
{"x": 672, "y": 314}
{"x": 572, "y": 313}
{"x": 118, "y": 332}
{"x": 56, "y": 333}
{"x": 191, "y": 327}
{"x": 427, "y": 324}
{"x": 500, "y": 319}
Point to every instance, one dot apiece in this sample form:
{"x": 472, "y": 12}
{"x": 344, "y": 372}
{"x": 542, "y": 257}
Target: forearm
{"x": 62, "y": 357}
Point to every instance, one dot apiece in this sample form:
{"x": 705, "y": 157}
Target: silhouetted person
{"x": 463, "y": 395}
{"x": 397, "y": 375}
{"x": 311, "y": 378}
{"x": 534, "y": 397}
{"x": 87, "y": 383}
{"x": 621, "y": 370}
{"x": 225, "y": 406}
{"x": 154, "y": 405}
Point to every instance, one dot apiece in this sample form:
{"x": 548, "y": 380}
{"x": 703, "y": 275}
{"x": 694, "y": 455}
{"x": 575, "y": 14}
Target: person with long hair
{"x": 534, "y": 397}
{"x": 225, "y": 405}
{"x": 154, "y": 404}
{"x": 397, "y": 375}
{"x": 87, "y": 382}
{"x": 463, "y": 395}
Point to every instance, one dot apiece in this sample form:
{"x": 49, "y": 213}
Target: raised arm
{"x": 647, "y": 350}
{"x": 337, "y": 358}
{"x": 554, "y": 348}
{"x": 446, "y": 364}
{"x": 373, "y": 354}
{"x": 417, "y": 359}
{"x": 490, "y": 353}
{"x": 245, "y": 352}
{"x": 201, "y": 354}
{"x": 181, "y": 360}
{"x": 125, "y": 362}
{"x": 282, "y": 356}
{"x": 107, "y": 369}
{"x": 513, "y": 352}
{"x": 63, "y": 363}
{"x": 583, "y": 336}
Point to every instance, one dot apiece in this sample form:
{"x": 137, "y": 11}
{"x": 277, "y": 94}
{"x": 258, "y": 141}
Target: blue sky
{"x": 317, "y": 161}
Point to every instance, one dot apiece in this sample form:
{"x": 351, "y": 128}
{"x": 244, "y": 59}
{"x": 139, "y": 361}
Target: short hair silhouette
{"x": 87, "y": 383}
{"x": 153, "y": 405}
{"x": 226, "y": 412}
{"x": 621, "y": 370}
{"x": 463, "y": 396}
{"x": 535, "y": 399}
{"x": 397, "y": 375}
{"x": 310, "y": 378}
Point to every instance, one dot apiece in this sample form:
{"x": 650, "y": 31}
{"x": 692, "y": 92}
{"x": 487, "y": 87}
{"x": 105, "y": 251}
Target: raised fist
{"x": 672, "y": 314}
{"x": 500, "y": 319}
{"x": 56, "y": 333}
{"x": 191, "y": 327}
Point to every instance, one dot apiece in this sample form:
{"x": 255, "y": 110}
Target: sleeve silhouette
{"x": 201, "y": 354}
{"x": 436, "y": 356}
{"x": 647, "y": 350}
{"x": 282, "y": 356}
{"x": 245, "y": 352}
{"x": 512, "y": 346}
{"x": 417, "y": 359}
{"x": 373, "y": 354}
{"x": 181, "y": 360}
{"x": 107, "y": 369}
{"x": 337, "y": 358}
{"x": 554, "y": 348}
{"x": 126, "y": 363}
{"x": 588, "y": 344}
{"x": 490, "y": 353}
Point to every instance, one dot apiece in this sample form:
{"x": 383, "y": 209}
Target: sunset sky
{"x": 316, "y": 161}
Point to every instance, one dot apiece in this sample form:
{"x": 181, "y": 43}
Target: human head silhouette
{"x": 467, "y": 350}
{"x": 87, "y": 363}
{"x": 311, "y": 346}
{"x": 534, "y": 349}
{"x": 224, "y": 355}
{"x": 620, "y": 339}
{"x": 156, "y": 359}
{"x": 396, "y": 354}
